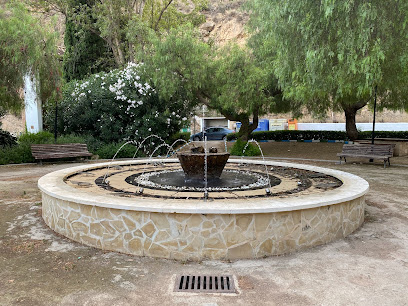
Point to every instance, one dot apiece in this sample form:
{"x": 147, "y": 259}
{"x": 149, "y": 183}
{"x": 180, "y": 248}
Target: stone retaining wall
{"x": 184, "y": 236}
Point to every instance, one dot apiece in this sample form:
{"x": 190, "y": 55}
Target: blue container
{"x": 263, "y": 125}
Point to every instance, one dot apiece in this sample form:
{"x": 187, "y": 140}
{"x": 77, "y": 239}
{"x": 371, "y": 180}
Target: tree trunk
{"x": 246, "y": 127}
{"x": 245, "y": 130}
{"x": 350, "y": 112}
{"x": 351, "y": 128}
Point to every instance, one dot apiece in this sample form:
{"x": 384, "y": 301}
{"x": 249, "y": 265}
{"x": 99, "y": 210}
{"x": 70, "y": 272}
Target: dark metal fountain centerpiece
{"x": 193, "y": 163}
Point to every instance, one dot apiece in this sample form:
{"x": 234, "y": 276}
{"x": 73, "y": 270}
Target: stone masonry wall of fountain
{"x": 200, "y": 236}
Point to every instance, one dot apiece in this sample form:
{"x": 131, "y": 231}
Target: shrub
{"x": 118, "y": 106}
{"x": 16, "y": 155}
{"x": 179, "y": 135}
{"x": 238, "y": 148}
{"x": 21, "y": 152}
{"x": 384, "y": 134}
{"x": 107, "y": 151}
{"x": 316, "y": 135}
{"x": 6, "y": 139}
{"x": 37, "y": 138}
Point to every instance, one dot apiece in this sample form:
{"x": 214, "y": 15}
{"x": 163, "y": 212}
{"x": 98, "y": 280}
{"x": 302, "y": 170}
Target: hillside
{"x": 225, "y": 21}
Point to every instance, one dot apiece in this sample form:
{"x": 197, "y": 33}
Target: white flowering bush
{"x": 119, "y": 105}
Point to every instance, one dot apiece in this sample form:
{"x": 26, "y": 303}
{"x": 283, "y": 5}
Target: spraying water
{"x": 114, "y": 156}
{"x": 174, "y": 143}
{"x": 137, "y": 150}
{"x": 143, "y": 141}
{"x": 149, "y": 160}
{"x": 263, "y": 158}
{"x": 205, "y": 169}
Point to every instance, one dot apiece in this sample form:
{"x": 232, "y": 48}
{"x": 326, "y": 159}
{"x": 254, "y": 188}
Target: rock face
{"x": 225, "y": 21}
{"x": 208, "y": 26}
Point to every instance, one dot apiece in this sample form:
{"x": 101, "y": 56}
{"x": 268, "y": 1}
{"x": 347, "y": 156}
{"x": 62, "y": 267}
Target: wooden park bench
{"x": 370, "y": 151}
{"x": 53, "y": 151}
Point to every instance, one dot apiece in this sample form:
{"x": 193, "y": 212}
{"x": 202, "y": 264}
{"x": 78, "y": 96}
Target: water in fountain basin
{"x": 176, "y": 180}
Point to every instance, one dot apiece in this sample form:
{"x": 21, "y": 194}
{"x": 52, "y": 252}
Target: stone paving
{"x": 369, "y": 267}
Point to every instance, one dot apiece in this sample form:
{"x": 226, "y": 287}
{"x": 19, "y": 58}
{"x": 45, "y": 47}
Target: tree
{"x": 225, "y": 79}
{"x": 333, "y": 54}
{"x": 25, "y": 45}
{"x": 86, "y": 53}
{"x": 125, "y": 25}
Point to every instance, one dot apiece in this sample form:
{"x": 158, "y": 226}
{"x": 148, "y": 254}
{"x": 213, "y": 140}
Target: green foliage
{"x": 179, "y": 135}
{"x": 26, "y": 46}
{"x": 6, "y": 139}
{"x": 385, "y": 134}
{"x": 21, "y": 153}
{"x": 239, "y": 146}
{"x": 118, "y": 106}
{"x": 86, "y": 52}
{"x": 226, "y": 79}
{"x": 16, "y": 155}
{"x": 37, "y": 138}
{"x": 317, "y": 135}
{"x": 107, "y": 151}
{"x": 337, "y": 49}
{"x": 332, "y": 54}
{"x": 295, "y": 135}
{"x": 125, "y": 25}
{"x": 181, "y": 61}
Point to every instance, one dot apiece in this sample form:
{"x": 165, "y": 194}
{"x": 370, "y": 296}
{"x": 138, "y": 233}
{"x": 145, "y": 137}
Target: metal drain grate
{"x": 205, "y": 283}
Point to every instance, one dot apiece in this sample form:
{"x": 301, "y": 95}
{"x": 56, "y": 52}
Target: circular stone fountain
{"x": 147, "y": 208}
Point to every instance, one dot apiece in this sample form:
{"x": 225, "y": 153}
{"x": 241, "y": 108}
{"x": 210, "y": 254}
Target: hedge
{"x": 317, "y": 135}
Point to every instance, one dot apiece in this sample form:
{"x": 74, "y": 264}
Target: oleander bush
{"x": 118, "y": 106}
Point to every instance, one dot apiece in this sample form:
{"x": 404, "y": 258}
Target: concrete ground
{"x": 369, "y": 267}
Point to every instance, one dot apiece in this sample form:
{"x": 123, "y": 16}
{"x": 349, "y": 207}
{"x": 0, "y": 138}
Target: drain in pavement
{"x": 205, "y": 284}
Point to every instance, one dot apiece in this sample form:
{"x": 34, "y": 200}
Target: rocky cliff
{"x": 225, "y": 21}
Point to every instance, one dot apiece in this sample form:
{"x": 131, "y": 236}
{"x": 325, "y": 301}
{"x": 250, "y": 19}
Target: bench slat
{"x": 53, "y": 151}
{"x": 384, "y": 152}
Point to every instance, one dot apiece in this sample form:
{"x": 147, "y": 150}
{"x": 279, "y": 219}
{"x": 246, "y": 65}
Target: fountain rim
{"x": 53, "y": 184}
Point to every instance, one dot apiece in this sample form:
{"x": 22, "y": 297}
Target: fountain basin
{"x": 191, "y": 229}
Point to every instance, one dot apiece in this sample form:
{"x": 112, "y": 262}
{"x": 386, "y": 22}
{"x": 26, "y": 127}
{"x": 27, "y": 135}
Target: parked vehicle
{"x": 212, "y": 133}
